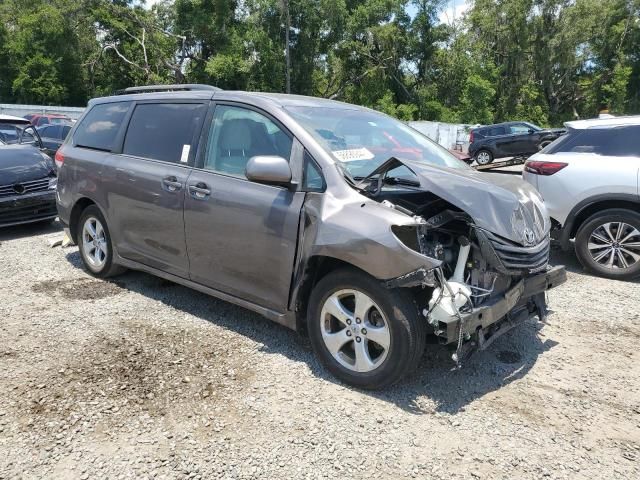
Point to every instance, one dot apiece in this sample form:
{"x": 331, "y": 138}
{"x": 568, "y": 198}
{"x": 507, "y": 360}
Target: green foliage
{"x": 544, "y": 61}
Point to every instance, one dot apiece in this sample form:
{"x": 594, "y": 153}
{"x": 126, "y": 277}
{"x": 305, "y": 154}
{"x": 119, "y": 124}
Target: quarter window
{"x": 494, "y": 132}
{"x": 98, "y": 129}
{"x": 613, "y": 142}
{"x": 163, "y": 131}
{"x": 237, "y": 134}
{"x": 312, "y": 181}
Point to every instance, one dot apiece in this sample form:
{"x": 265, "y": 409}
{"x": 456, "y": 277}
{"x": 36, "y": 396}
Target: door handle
{"x": 199, "y": 191}
{"x": 171, "y": 184}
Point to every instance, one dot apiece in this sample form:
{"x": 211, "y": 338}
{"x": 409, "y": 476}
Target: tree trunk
{"x": 287, "y": 56}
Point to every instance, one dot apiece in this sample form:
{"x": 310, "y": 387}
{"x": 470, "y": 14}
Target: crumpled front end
{"x": 485, "y": 284}
{"x": 490, "y": 236}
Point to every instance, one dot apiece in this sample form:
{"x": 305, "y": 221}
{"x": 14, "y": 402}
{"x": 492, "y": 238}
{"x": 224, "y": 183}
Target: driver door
{"x": 241, "y": 235}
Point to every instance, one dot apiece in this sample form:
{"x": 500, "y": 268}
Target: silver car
{"x": 334, "y": 220}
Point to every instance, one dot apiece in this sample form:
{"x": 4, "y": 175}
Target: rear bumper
{"x": 526, "y": 299}
{"x": 28, "y": 208}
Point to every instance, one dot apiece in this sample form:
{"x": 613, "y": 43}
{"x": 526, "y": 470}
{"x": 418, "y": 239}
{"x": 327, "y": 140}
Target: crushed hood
{"x": 21, "y": 163}
{"x": 502, "y": 204}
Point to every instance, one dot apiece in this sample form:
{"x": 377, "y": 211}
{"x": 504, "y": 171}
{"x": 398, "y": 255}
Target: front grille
{"x": 27, "y": 213}
{"x": 511, "y": 258}
{"x": 20, "y": 188}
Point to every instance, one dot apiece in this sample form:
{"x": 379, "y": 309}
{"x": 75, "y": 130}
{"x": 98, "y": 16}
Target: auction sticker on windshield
{"x": 353, "y": 154}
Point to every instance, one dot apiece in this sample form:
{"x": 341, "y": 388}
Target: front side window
{"x": 519, "y": 128}
{"x": 98, "y": 129}
{"x": 361, "y": 140}
{"x": 237, "y": 134}
{"x": 163, "y": 131}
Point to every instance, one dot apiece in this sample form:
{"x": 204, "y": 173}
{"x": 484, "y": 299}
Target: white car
{"x": 589, "y": 181}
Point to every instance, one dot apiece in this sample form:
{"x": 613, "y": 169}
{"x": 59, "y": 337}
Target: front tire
{"x": 608, "y": 244}
{"x": 484, "y": 157}
{"x": 94, "y": 243}
{"x": 363, "y": 333}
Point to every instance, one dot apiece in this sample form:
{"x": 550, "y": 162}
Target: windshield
{"x": 17, "y": 133}
{"x": 362, "y": 140}
{"x": 59, "y": 120}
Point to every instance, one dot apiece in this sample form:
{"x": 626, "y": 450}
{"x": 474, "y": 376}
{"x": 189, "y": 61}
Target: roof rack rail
{"x": 166, "y": 88}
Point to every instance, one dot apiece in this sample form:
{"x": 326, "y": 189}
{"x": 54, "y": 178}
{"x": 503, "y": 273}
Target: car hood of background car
{"x": 500, "y": 203}
{"x": 21, "y": 163}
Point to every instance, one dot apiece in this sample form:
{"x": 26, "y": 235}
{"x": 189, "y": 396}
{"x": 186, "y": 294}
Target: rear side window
{"x": 495, "y": 131}
{"x": 163, "y": 131}
{"x": 98, "y": 129}
{"x": 613, "y": 142}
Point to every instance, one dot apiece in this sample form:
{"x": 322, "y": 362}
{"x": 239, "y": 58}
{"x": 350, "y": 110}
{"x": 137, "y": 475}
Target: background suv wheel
{"x": 365, "y": 334}
{"x": 94, "y": 243}
{"x": 484, "y": 157}
{"x": 608, "y": 244}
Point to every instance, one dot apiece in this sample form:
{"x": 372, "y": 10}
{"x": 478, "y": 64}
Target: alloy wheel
{"x": 94, "y": 243}
{"x": 355, "y": 330}
{"x": 615, "y": 245}
{"x": 483, "y": 158}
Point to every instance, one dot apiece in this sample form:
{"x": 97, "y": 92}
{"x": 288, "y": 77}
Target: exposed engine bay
{"x": 480, "y": 283}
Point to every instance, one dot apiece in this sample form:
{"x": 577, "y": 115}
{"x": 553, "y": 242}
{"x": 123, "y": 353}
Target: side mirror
{"x": 531, "y": 131}
{"x": 268, "y": 169}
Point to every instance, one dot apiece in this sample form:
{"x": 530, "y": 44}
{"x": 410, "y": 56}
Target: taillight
{"x": 471, "y": 137}
{"x": 59, "y": 158}
{"x": 544, "y": 168}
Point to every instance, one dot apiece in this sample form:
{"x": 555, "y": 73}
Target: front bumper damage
{"x": 484, "y": 324}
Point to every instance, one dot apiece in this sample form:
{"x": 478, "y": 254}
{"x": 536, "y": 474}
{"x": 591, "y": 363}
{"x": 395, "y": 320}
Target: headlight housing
{"x": 53, "y": 183}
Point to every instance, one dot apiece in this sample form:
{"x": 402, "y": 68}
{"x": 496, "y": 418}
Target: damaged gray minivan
{"x": 332, "y": 219}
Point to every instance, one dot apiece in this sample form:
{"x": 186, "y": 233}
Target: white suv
{"x": 589, "y": 181}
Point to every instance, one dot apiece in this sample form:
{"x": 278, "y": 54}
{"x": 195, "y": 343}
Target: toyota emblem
{"x": 529, "y": 237}
{"x": 19, "y": 188}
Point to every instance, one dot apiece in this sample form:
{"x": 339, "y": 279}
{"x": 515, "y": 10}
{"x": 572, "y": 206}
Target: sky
{"x": 453, "y": 10}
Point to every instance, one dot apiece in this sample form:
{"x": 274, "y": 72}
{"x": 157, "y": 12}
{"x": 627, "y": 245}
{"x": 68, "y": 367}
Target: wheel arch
{"x": 74, "y": 217}
{"x": 590, "y": 206}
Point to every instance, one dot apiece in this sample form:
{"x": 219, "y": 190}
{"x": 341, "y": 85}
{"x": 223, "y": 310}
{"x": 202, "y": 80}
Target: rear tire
{"x": 608, "y": 244}
{"x": 94, "y": 243}
{"x": 371, "y": 352}
{"x": 484, "y": 157}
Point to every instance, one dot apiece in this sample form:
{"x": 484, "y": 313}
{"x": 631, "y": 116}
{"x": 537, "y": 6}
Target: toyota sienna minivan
{"x": 331, "y": 219}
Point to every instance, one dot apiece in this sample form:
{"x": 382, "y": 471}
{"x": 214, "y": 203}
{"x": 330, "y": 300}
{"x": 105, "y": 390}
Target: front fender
{"x": 358, "y": 232}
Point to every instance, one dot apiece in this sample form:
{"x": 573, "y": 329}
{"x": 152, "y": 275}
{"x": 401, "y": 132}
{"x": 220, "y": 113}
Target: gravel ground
{"x": 141, "y": 378}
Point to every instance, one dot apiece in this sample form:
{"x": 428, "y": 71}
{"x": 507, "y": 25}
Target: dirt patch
{"x": 79, "y": 288}
{"x": 145, "y": 370}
